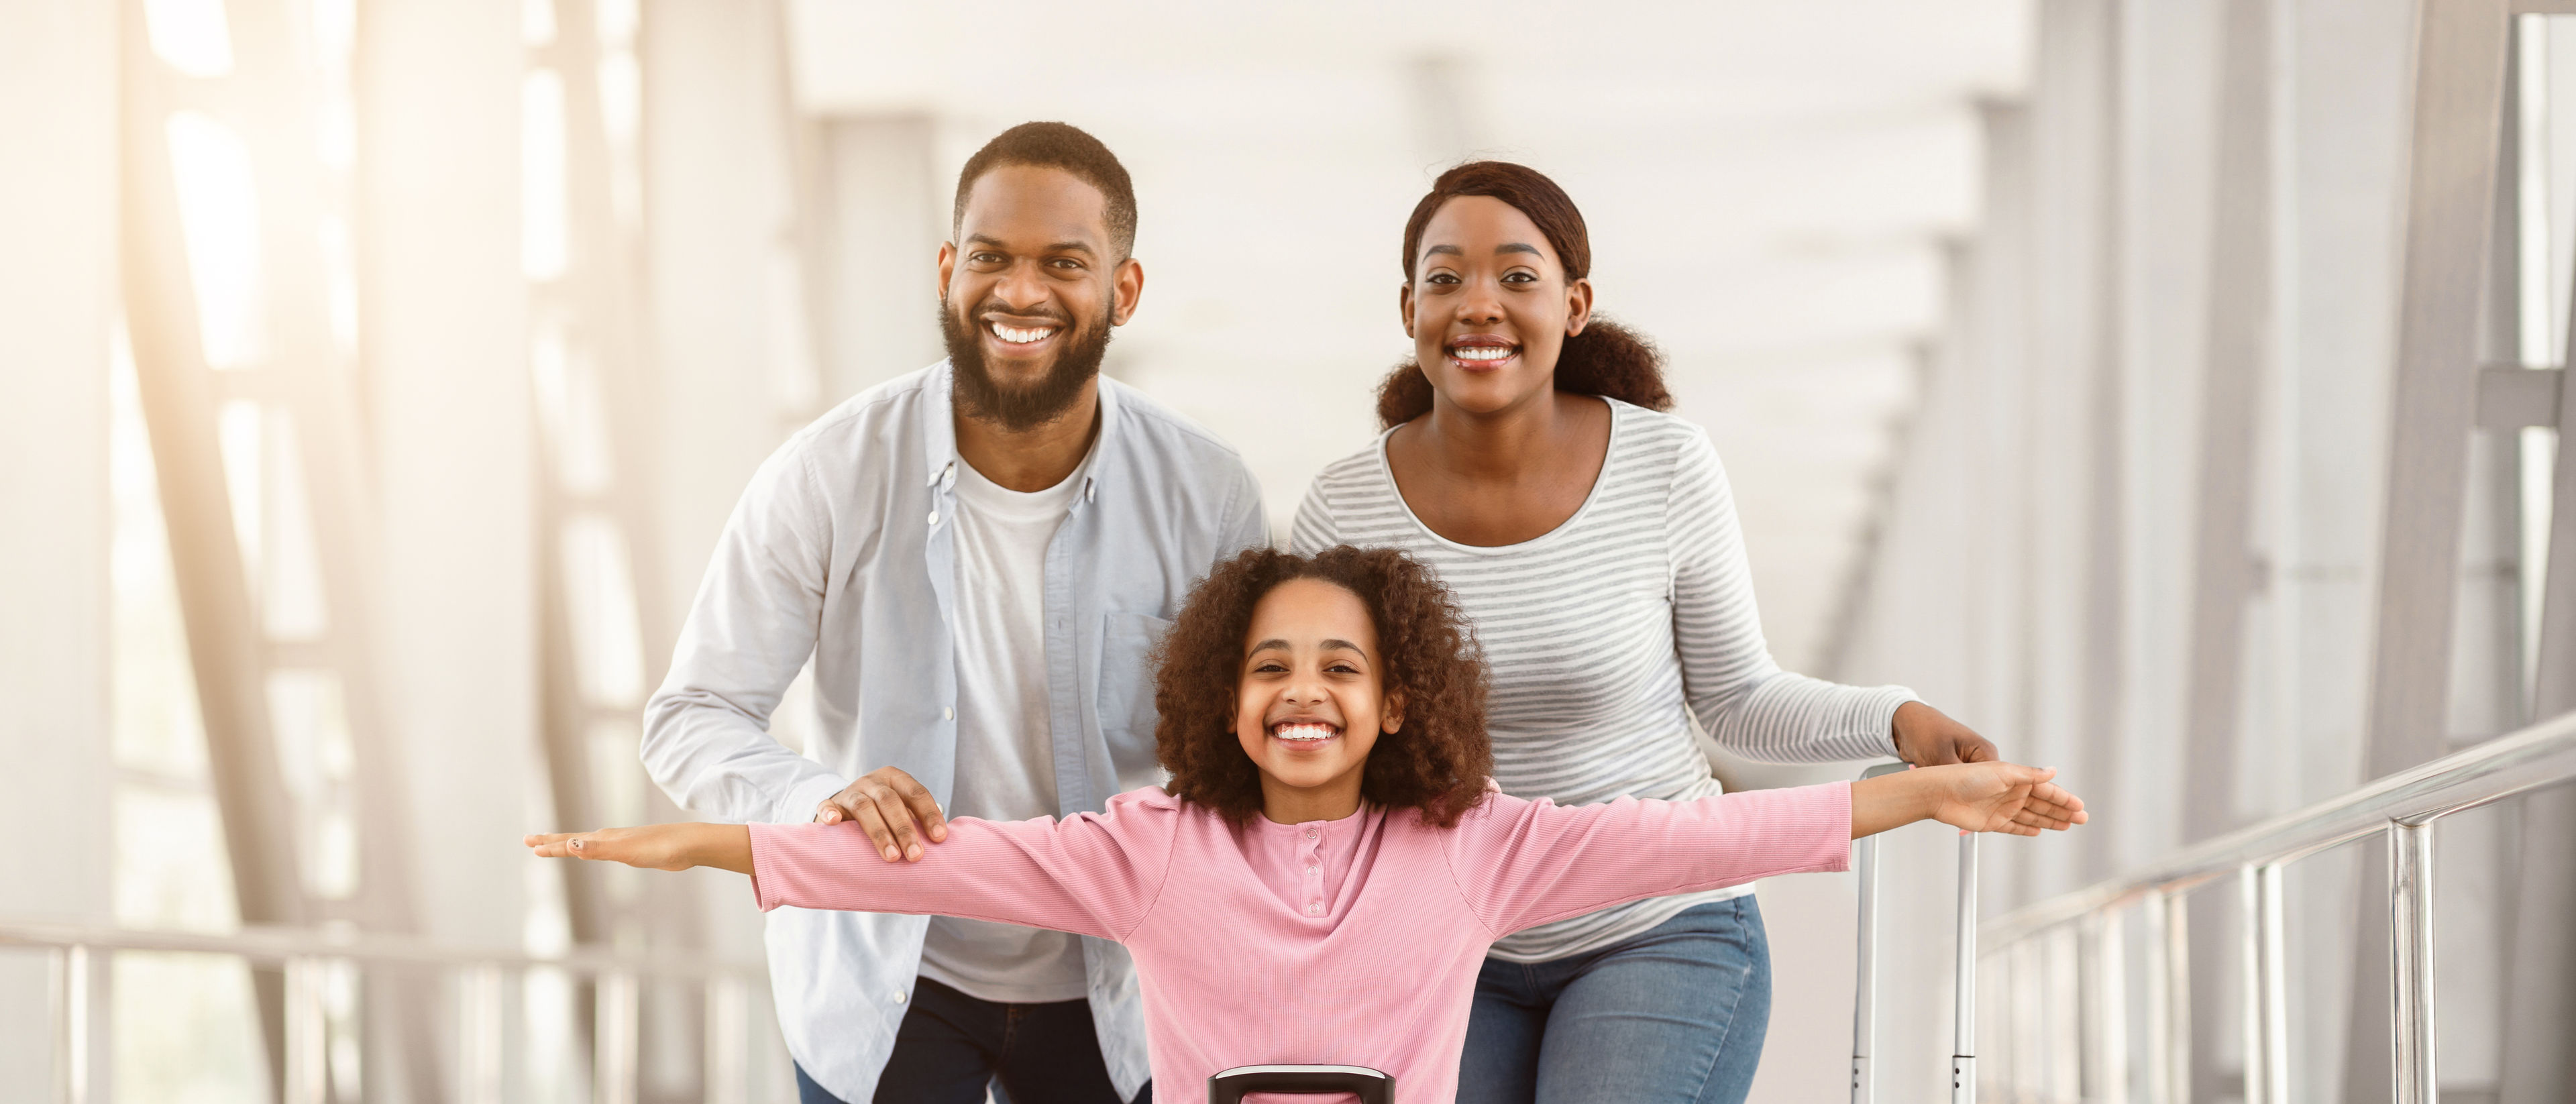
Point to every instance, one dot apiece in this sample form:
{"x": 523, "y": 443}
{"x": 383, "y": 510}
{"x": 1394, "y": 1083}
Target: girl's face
{"x": 1489, "y": 307}
{"x": 1311, "y": 700}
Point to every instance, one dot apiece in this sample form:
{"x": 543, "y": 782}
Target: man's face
{"x": 1028, "y": 293}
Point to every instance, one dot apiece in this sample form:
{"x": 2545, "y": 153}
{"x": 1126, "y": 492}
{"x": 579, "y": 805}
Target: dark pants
{"x": 952, "y": 1048}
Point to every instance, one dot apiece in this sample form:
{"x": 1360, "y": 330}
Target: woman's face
{"x": 1311, "y": 699}
{"x": 1489, "y": 307}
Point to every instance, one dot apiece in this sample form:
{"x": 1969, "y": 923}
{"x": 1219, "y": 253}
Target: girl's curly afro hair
{"x": 1437, "y": 762}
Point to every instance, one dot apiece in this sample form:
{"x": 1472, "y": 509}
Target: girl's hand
{"x": 1977, "y": 797}
{"x": 654, "y": 846}
{"x": 2000, "y": 797}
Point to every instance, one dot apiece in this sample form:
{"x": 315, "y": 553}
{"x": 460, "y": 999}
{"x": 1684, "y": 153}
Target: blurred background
{"x": 2167, "y": 388}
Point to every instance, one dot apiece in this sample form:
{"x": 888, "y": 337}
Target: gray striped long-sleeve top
{"x": 1607, "y": 634}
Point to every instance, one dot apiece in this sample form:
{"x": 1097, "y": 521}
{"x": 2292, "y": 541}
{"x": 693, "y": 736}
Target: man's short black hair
{"x": 1057, "y": 146}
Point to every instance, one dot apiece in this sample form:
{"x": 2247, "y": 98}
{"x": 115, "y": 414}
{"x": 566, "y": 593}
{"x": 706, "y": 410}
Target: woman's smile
{"x": 1481, "y": 353}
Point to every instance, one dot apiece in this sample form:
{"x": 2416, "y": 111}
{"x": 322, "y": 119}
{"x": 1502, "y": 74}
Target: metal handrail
{"x": 268, "y": 943}
{"x": 81, "y": 981}
{"x": 2406, "y": 805}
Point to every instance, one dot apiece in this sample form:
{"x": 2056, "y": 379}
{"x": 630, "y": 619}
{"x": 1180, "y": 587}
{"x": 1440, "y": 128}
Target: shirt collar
{"x": 939, "y": 432}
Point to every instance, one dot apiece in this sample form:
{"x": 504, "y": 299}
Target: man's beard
{"x": 1020, "y": 409}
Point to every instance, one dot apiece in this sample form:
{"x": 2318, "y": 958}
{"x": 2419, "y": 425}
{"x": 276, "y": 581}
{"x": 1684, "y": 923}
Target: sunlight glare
{"x": 544, "y": 231}
{"x": 219, "y": 221}
{"x": 191, "y": 35}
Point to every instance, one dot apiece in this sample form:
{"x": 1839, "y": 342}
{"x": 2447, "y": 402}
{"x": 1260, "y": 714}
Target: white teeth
{"x": 1018, "y": 336}
{"x": 1481, "y": 352}
{"x": 1303, "y": 732}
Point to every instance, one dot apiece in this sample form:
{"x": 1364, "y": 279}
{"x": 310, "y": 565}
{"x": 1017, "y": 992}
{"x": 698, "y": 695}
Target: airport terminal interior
{"x": 2168, "y": 389}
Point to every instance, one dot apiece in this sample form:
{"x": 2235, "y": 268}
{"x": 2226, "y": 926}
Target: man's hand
{"x": 1927, "y": 737}
{"x": 895, "y": 810}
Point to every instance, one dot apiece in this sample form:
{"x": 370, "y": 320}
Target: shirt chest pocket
{"x": 1126, "y": 694}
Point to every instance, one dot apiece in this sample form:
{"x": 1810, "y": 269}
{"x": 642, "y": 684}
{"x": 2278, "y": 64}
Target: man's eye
{"x": 1067, "y": 264}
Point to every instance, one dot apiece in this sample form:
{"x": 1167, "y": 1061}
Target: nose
{"x": 1303, "y": 692}
{"x": 1481, "y": 305}
{"x": 1020, "y": 289}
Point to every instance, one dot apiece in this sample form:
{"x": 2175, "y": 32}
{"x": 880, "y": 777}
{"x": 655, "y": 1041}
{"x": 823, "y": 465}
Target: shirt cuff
{"x": 1889, "y": 700}
{"x": 803, "y": 798}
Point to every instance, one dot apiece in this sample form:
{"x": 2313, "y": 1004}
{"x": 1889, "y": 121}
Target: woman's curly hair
{"x": 1436, "y": 762}
{"x": 1605, "y": 359}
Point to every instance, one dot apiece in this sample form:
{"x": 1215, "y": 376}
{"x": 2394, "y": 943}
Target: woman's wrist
{"x": 723, "y": 846}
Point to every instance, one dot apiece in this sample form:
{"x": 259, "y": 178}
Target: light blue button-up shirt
{"x": 841, "y": 550}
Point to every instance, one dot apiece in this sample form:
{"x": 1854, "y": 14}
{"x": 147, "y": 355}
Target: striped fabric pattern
{"x": 1608, "y": 634}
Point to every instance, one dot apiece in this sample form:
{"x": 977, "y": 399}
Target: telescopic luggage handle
{"x": 1372, "y": 1087}
{"x": 1963, "y": 1051}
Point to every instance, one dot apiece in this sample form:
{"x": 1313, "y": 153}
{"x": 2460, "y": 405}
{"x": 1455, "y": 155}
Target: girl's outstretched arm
{"x": 654, "y": 846}
{"x": 1976, "y": 797}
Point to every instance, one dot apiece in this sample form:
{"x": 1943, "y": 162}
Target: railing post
{"x": 2410, "y": 900}
{"x": 2106, "y": 1008}
{"x": 2168, "y": 966}
{"x": 483, "y": 1034}
{"x": 728, "y": 1058}
{"x": 2275, "y": 1003}
{"x": 308, "y": 1042}
{"x": 613, "y": 1074}
{"x": 82, "y": 1056}
{"x": 2266, "y": 1015}
{"x": 1963, "y": 1055}
{"x": 1865, "y": 983}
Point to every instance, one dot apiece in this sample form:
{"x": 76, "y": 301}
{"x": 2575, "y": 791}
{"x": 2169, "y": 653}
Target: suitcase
{"x": 1963, "y": 1050}
{"x": 1372, "y": 1087}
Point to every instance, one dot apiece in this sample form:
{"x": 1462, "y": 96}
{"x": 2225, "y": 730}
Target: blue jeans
{"x": 952, "y": 1048}
{"x": 1676, "y": 1014}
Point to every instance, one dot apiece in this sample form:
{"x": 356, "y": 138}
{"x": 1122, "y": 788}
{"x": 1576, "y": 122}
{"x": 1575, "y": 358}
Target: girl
{"x": 1592, "y": 542}
{"x": 1320, "y": 880}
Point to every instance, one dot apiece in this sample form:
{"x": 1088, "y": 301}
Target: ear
{"x": 1404, "y": 306}
{"x": 947, "y": 267}
{"x": 1391, "y": 715}
{"x": 1126, "y": 287}
{"x": 1578, "y": 306}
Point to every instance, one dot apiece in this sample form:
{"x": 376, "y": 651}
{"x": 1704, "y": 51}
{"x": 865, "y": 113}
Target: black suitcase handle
{"x": 1372, "y": 1087}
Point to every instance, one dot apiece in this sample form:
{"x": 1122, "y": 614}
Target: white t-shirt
{"x": 1005, "y": 758}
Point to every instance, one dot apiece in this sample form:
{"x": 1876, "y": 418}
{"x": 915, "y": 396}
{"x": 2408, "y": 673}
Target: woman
{"x": 1592, "y": 542}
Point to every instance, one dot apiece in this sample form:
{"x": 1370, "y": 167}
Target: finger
{"x": 890, "y": 807}
{"x": 830, "y": 811}
{"x": 550, "y": 845}
{"x": 917, "y": 800}
{"x": 2056, "y": 795}
{"x": 875, "y": 826}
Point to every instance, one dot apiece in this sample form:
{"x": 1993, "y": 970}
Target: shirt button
{"x": 1310, "y": 868}
{"x": 934, "y": 517}
{"x": 1315, "y": 910}
{"x": 947, "y": 714}
{"x": 898, "y": 996}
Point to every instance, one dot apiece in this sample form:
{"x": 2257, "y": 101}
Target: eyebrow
{"x": 1329, "y": 644}
{"x": 1056, "y": 247}
{"x": 1507, "y": 247}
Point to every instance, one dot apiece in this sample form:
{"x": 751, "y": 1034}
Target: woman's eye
{"x": 1440, "y": 278}
{"x": 1519, "y": 278}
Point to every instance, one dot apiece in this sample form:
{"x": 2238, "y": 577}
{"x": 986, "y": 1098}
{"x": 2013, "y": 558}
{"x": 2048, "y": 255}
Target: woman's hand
{"x": 1927, "y": 737}
{"x": 1976, "y": 797}
{"x": 654, "y": 846}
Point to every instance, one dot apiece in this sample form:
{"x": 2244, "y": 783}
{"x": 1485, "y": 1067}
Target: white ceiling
{"x": 1766, "y": 185}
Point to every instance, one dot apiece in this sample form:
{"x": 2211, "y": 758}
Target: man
{"x": 977, "y": 557}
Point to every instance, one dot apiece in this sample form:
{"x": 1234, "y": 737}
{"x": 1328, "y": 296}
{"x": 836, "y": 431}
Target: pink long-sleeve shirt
{"x": 1353, "y": 941}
